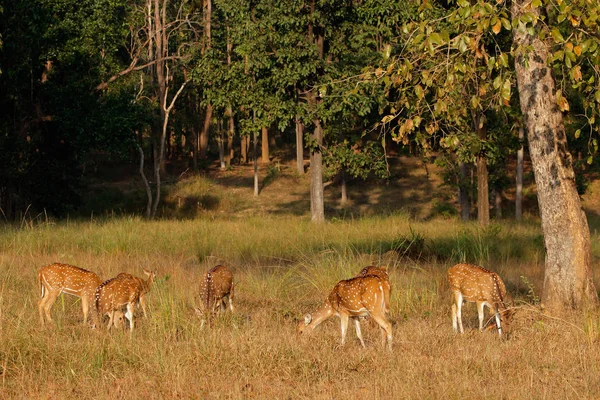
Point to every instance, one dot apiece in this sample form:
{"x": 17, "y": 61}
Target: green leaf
{"x": 557, "y": 36}
{"x": 435, "y": 38}
{"x": 577, "y": 133}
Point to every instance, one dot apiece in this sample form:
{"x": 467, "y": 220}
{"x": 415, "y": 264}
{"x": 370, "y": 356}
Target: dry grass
{"x": 283, "y": 267}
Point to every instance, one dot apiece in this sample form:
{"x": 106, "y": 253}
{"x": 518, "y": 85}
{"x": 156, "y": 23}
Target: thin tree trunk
{"x": 145, "y": 180}
{"x": 568, "y": 280}
{"x": 265, "y": 144}
{"x": 244, "y": 145}
{"x": 463, "y": 192}
{"x": 483, "y": 196}
{"x": 221, "y": 144}
{"x": 299, "y": 146}
{"x": 255, "y": 156}
{"x": 497, "y": 192}
{"x": 230, "y": 135}
{"x": 343, "y": 187}
{"x": 204, "y": 134}
{"x": 519, "y": 194}
{"x": 317, "y": 203}
{"x": 194, "y": 145}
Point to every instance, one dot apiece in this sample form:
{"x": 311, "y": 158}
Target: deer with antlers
{"x": 123, "y": 291}
{"x": 57, "y": 278}
{"x": 476, "y": 284}
{"x": 216, "y": 291}
{"x": 351, "y": 299}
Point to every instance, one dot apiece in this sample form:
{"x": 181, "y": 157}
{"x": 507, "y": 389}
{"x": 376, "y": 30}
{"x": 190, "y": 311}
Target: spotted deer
{"x": 59, "y": 278}
{"x": 216, "y": 291}
{"x": 123, "y": 291}
{"x": 146, "y": 285}
{"x": 473, "y": 283}
{"x": 351, "y": 299}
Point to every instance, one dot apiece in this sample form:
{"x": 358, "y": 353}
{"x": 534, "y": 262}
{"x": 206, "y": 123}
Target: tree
{"x": 568, "y": 281}
{"x": 568, "y": 275}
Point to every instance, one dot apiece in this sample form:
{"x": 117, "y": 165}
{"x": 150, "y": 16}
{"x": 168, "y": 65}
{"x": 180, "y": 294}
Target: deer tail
{"x": 41, "y": 285}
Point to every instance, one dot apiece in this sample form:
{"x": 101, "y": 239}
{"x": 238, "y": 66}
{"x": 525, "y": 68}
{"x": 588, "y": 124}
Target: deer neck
{"x": 147, "y": 284}
{"x": 321, "y": 315}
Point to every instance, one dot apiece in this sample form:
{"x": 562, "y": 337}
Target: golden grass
{"x": 283, "y": 268}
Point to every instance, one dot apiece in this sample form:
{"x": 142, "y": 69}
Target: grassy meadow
{"x": 284, "y": 266}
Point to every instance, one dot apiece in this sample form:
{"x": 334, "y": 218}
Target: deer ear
{"x": 384, "y": 268}
{"x": 307, "y": 319}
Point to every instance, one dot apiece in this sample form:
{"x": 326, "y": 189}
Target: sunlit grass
{"x": 284, "y": 267}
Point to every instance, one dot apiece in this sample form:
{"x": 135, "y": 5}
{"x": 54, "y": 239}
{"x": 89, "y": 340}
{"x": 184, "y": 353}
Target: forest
{"x": 344, "y": 133}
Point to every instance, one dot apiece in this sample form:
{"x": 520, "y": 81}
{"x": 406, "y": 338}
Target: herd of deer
{"x": 367, "y": 294}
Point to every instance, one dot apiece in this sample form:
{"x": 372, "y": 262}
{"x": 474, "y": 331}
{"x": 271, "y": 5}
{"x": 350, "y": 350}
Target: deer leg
{"x": 459, "y": 303}
{"x": 344, "y": 326}
{"x": 111, "y": 316}
{"x": 86, "y": 307}
{"x": 480, "y": 313}
{"x": 50, "y": 299}
{"x": 230, "y": 299}
{"x": 358, "y": 332}
{"x": 129, "y": 315}
{"x": 386, "y": 326}
{"x": 41, "y": 303}
{"x": 454, "y": 318}
{"x": 498, "y": 322}
{"x": 143, "y": 305}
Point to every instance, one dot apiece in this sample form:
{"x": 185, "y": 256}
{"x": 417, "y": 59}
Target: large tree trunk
{"x": 519, "y": 191}
{"x": 265, "y": 145}
{"x": 299, "y": 146}
{"x": 568, "y": 275}
{"x": 463, "y": 192}
{"x": 317, "y": 202}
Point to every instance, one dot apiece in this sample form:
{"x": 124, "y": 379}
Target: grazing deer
{"x": 59, "y": 278}
{"x": 123, "y": 291}
{"x": 354, "y": 298}
{"x": 476, "y": 284}
{"x": 146, "y": 285}
{"x": 216, "y": 290}
{"x": 377, "y": 271}
{"x": 383, "y": 274}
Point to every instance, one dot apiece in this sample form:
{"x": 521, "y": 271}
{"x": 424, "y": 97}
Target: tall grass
{"x": 284, "y": 267}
